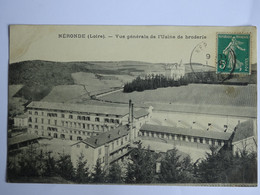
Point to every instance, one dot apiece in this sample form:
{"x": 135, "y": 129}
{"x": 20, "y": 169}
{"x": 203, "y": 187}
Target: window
{"x": 30, "y": 125}
{"x": 87, "y": 118}
{"x": 117, "y": 121}
{"x": 62, "y": 136}
{"x": 35, "y": 113}
{"x": 55, "y": 122}
{"x": 62, "y": 123}
{"x": 83, "y": 125}
{"x": 42, "y": 120}
{"x": 125, "y": 138}
{"x": 70, "y": 116}
{"x": 97, "y": 119}
{"x": 52, "y": 114}
{"x": 30, "y": 119}
{"x": 42, "y": 133}
{"x": 99, "y": 151}
{"x": 106, "y": 120}
{"x": 70, "y": 137}
{"x": 62, "y": 115}
{"x": 49, "y": 134}
{"x": 30, "y": 112}
{"x": 122, "y": 141}
{"x": 36, "y": 120}
{"x": 112, "y": 120}
{"x": 79, "y": 138}
{"x": 117, "y": 142}
{"x": 49, "y": 121}
{"x": 79, "y": 117}
{"x": 113, "y": 146}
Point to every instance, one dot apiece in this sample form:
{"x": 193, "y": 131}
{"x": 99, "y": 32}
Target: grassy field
{"x": 93, "y": 84}
{"x": 65, "y": 93}
{"x": 192, "y": 94}
{"x": 13, "y": 89}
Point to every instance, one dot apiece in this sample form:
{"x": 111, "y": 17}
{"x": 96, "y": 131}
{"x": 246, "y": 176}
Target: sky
{"x": 43, "y": 43}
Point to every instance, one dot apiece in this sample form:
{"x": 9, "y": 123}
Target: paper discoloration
{"x": 148, "y": 105}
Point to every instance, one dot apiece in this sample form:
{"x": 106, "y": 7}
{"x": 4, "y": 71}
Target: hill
{"x": 40, "y": 77}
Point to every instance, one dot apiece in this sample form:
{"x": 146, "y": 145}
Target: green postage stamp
{"x": 233, "y": 53}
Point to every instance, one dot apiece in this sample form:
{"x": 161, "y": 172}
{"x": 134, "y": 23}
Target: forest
{"x": 154, "y": 81}
{"x": 217, "y": 167}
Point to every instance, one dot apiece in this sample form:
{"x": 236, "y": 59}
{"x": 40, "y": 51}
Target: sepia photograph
{"x": 131, "y": 105}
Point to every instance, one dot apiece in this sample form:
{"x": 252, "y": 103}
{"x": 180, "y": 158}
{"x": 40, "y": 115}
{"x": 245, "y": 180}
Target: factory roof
{"x": 186, "y": 131}
{"x": 224, "y": 110}
{"x": 84, "y": 108}
{"x": 23, "y": 138}
{"x": 140, "y": 113}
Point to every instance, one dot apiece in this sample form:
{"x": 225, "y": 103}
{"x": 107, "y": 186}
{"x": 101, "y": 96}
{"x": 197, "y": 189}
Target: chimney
{"x": 132, "y": 113}
{"x": 130, "y": 108}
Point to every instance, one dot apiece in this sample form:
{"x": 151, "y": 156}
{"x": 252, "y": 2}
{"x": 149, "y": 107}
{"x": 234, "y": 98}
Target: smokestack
{"x": 132, "y": 113}
{"x": 130, "y": 108}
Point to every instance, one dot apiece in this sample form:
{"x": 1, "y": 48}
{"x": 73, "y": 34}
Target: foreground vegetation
{"x": 221, "y": 167}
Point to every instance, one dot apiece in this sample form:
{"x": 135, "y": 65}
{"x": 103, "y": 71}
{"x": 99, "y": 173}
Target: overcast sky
{"x": 43, "y": 43}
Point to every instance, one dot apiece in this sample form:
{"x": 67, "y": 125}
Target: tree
{"x": 65, "y": 168}
{"x": 114, "y": 174}
{"x": 28, "y": 163}
{"x": 98, "y": 176}
{"x": 141, "y": 168}
{"x": 82, "y": 172}
{"x": 50, "y": 169}
{"x": 171, "y": 168}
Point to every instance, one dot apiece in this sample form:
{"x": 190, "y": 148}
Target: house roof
{"x": 85, "y": 108}
{"x": 186, "y": 131}
{"x": 106, "y": 137}
{"x": 244, "y": 130}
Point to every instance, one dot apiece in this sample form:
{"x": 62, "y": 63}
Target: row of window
{"x": 196, "y": 139}
{"x": 116, "y": 121}
{"x": 66, "y": 131}
{"x": 55, "y": 135}
{"x": 63, "y": 115}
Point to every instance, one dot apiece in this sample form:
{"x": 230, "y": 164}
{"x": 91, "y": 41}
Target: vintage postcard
{"x": 132, "y": 105}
